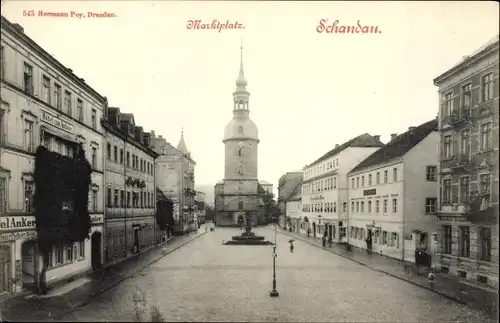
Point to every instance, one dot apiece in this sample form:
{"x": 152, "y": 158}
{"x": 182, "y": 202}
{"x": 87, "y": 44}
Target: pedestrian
{"x": 308, "y": 232}
{"x": 324, "y": 241}
{"x": 291, "y": 246}
{"x": 330, "y": 241}
{"x": 369, "y": 244}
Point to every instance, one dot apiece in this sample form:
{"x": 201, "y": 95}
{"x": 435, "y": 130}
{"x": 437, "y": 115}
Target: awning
{"x": 58, "y": 133}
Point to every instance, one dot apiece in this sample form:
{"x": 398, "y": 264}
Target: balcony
{"x": 460, "y": 116}
{"x": 462, "y": 163}
{"x": 479, "y": 209}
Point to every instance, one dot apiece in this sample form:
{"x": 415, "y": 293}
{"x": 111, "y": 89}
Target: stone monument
{"x": 248, "y": 237}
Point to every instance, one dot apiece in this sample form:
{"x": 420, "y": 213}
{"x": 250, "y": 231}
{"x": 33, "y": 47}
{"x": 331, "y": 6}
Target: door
{"x": 95, "y": 244}
{"x": 5, "y": 268}
{"x": 369, "y": 238}
{"x": 136, "y": 240}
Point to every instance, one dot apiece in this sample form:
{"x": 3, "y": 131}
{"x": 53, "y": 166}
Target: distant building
{"x": 200, "y": 200}
{"x": 392, "y": 195}
{"x": 268, "y": 187}
{"x": 467, "y": 210}
{"x": 238, "y": 193}
{"x": 175, "y": 178}
{"x": 324, "y": 188}
{"x": 287, "y": 187}
{"x": 43, "y": 103}
{"x": 293, "y": 208}
{"x": 130, "y": 195}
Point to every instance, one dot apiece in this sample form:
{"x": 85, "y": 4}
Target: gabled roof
{"x": 364, "y": 140}
{"x": 264, "y": 183}
{"x": 399, "y": 146}
{"x": 296, "y": 194}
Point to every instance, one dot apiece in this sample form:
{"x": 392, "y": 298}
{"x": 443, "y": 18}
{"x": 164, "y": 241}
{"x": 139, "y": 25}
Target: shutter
{"x": 454, "y": 194}
{"x": 475, "y": 96}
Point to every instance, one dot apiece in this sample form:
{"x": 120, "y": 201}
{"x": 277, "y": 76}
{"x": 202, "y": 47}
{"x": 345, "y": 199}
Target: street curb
{"x": 382, "y": 271}
{"x": 113, "y": 285}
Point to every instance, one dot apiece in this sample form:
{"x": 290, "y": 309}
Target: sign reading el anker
{"x": 17, "y": 223}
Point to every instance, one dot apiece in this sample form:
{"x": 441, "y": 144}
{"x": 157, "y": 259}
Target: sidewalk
{"x": 42, "y": 308}
{"x": 479, "y": 297}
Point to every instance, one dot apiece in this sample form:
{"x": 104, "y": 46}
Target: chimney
{"x": 18, "y": 27}
{"x": 152, "y": 133}
{"x": 70, "y": 70}
{"x": 336, "y": 145}
{"x": 376, "y": 137}
{"x": 411, "y": 128}
{"x": 393, "y": 136}
{"x": 160, "y": 137}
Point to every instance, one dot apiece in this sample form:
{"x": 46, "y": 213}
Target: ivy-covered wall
{"x": 61, "y": 197}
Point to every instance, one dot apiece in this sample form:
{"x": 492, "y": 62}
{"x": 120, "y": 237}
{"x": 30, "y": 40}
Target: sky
{"x": 308, "y": 90}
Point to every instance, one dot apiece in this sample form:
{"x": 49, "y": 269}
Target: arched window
{"x": 240, "y": 130}
{"x": 241, "y": 104}
{"x": 240, "y": 152}
{"x": 240, "y": 205}
{"x": 240, "y": 170}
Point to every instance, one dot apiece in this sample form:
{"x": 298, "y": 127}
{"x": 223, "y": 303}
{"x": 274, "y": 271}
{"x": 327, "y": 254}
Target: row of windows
{"x": 390, "y": 239}
{"x": 137, "y": 163}
{"x": 464, "y": 188}
{"x": 359, "y": 181}
{"x": 323, "y": 168}
{"x": 359, "y": 206}
{"x": 64, "y": 253}
{"x": 464, "y": 241}
{"x": 464, "y": 141}
{"x": 53, "y": 95}
{"x": 320, "y": 186}
{"x": 130, "y": 199}
{"x": 327, "y": 207}
{"x": 466, "y": 95}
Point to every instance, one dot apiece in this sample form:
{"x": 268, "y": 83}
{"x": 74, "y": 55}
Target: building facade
{"x": 43, "y": 103}
{"x": 130, "y": 196}
{"x": 287, "y": 187}
{"x": 324, "y": 188}
{"x": 239, "y": 193}
{"x": 392, "y": 195}
{"x": 175, "y": 178}
{"x": 200, "y": 200}
{"x": 467, "y": 212}
{"x": 293, "y": 206}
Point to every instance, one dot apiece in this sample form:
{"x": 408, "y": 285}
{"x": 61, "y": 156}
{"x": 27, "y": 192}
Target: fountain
{"x": 248, "y": 237}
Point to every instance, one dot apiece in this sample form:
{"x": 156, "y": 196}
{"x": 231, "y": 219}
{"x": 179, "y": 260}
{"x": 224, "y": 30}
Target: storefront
{"x": 21, "y": 261}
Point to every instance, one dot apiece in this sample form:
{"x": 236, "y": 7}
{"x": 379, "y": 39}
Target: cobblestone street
{"x": 206, "y": 281}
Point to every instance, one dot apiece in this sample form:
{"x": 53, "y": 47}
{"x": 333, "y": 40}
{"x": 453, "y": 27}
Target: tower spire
{"x": 241, "y": 82}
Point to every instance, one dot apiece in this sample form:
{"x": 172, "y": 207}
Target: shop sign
{"x": 372, "y": 191}
{"x": 17, "y": 223}
{"x": 49, "y": 118}
{"x": 97, "y": 218}
{"x": 25, "y": 235}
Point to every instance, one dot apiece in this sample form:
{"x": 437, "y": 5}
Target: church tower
{"x": 239, "y": 191}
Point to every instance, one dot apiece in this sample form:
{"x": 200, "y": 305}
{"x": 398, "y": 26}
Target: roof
{"x": 399, "y": 146}
{"x": 364, "y": 140}
{"x": 161, "y": 196}
{"x": 182, "y": 145}
{"x": 264, "y": 183}
{"x": 468, "y": 58}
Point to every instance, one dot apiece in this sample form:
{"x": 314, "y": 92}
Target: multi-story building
{"x": 287, "y": 186}
{"x": 131, "y": 225}
{"x": 468, "y": 203}
{"x": 293, "y": 207}
{"x": 43, "y": 103}
{"x": 200, "y": 199}
{"x": 324, "y": 188}
{"x": 392, "y": 195}
{"x": 175, "y": 178}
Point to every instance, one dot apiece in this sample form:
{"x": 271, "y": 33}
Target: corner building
{"x": 393, "y": 193}
{"x": 43, "y": 103}
{"x": 467, "y": 212}
{"x": 238, "y": 192}
{"x": 131, "y": 225}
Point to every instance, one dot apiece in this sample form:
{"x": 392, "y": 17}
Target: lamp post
{"x": 274, "y": 292}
